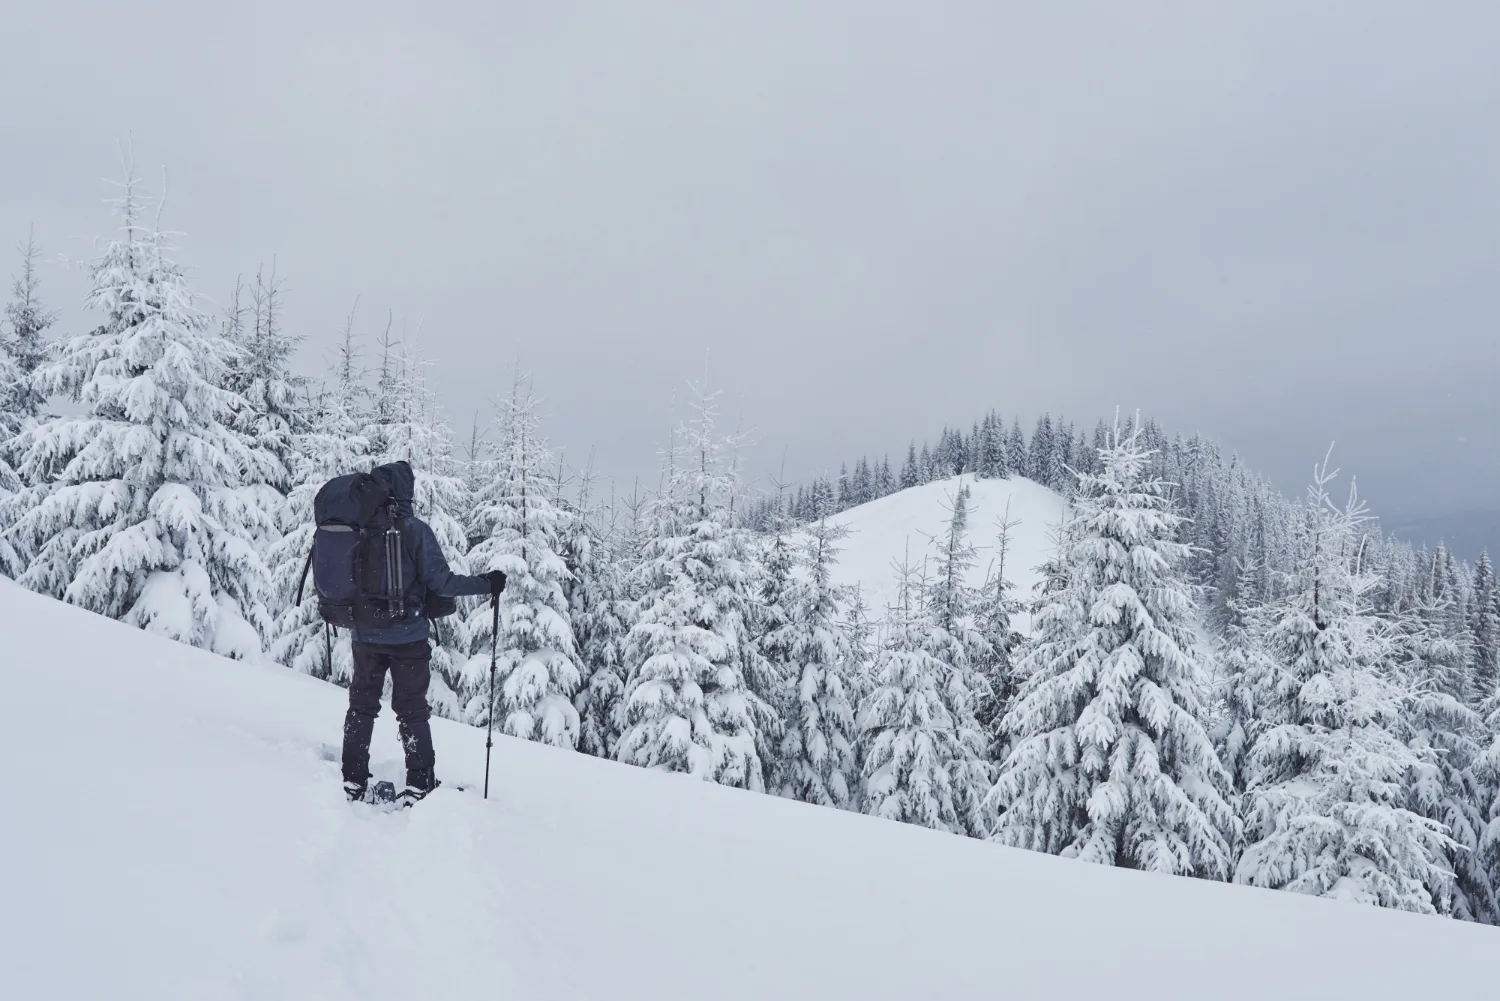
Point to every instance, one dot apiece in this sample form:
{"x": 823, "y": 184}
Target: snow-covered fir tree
{"x": 13, "y": 556}
{"x": 688, "y": 706}
{"x": 910, "y": 474}
{"x": 538, "y": 671}
{"x": 479, "y": 468}
{"x": 995, "y": 620}
{"x": 261, "y": 373}
{"x": 1484, "y": 632}
{"x": 1448, "y": 739}
{"x": 860, "y": 634}
{"x": 147, "y": 506}
{"x": 601, "y": 615}
{"x": 954, "y": 639}
{"x": 1326, "y": 809}
{"x": 913, "y": 745}
{"x": 1110, "y": 760}
{"x": 23, "y": 347}
{"x": 818, "y": 761}
{"x": 600, "y": 555}
{"x": 1243, "y": 671}
{"x": 1438, "y": 637}
{"x": 771, "y": 614}
{"x": 25, "y": 343}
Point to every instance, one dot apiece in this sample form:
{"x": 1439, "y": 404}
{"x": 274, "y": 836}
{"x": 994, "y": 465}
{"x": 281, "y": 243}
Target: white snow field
{"x": 173, "y": 827}
{"x": 882, "y": 530}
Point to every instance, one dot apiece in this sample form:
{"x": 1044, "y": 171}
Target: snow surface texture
{"x": 174, "y": 828}
{"x": 880, "y": 531}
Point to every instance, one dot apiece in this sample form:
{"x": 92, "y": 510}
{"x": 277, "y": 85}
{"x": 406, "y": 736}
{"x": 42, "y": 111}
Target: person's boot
{"x": 355, "y": 791}
{"x": 419, "y": 782}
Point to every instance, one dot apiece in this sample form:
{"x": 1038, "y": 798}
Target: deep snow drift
{"x": 884, "y": 531}
{"x": 173, "y": 827}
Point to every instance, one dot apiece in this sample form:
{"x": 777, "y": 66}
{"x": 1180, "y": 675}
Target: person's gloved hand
{"x": 497, "y": 582}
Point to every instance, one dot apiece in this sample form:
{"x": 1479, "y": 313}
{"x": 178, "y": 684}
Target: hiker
{"x": 396, "y": 641}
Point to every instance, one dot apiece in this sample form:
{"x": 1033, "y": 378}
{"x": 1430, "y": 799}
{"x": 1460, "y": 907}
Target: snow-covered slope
{"x": 172, "y": 827}
{"x": 881, "y": 532}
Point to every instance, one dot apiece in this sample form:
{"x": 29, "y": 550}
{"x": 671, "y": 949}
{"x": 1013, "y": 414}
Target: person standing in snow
{"x": 401, "y": 648}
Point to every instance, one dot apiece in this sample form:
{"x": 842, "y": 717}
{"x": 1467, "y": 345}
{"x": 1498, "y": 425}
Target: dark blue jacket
{"x": 424, "y": 569}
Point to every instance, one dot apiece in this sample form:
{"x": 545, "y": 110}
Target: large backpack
{"x": 357, "y": 557}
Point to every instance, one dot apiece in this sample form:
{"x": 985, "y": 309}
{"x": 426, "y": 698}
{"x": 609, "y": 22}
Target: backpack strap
{"x": 394, "y": 544}
{"x": 302, "y": 581}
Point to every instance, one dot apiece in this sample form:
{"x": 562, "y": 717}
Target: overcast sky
{"x": 1277, "y": 223}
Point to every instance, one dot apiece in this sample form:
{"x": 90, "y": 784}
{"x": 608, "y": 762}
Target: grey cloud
{"x": 1275, "y": 222}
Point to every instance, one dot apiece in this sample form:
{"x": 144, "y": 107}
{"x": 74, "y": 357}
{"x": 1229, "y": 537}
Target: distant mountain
{"x": 1467, "y": 534}
{"x": 899, "y": 526}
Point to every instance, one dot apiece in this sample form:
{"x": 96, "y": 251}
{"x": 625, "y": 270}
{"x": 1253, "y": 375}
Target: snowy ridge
{"x": 175, "y": 816}
{"x": 881, "y": 530}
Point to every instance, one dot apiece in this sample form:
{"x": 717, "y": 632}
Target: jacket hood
{"x": 398, "y": 478}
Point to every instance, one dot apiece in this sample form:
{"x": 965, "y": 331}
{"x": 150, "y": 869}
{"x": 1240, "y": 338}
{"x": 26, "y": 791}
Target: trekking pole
{"x": 489, "y": 727}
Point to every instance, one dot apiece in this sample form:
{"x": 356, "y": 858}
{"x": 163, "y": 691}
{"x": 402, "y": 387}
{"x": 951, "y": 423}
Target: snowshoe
{"x": 355, "y": 791}
{"x": 412, "y": 795}
{"x": 383, "y": 793}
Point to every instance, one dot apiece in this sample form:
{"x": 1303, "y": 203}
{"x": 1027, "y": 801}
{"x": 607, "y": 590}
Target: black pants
{"x": 408, "y": 664}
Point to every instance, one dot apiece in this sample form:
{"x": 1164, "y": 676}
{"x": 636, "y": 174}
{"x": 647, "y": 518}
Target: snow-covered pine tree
{"x": 601, "y": 614}
{"x": 910, "y": 473}
{"x": 771, "y": 617}
{"x": 995, "y": 621}
{"x": 1484, "y": 632}
{"x": 13, "y": 557}
{"x": 1110, "y": 760}
{"x": 1485, "y": 776}
{"x": 1060, "y": 458}
{"x": 1243, "y": 671}
{"x": 910, "y": 738}
{"x": 538, "y": 671}
{"x": 885, "y": 481}
{"x": 954, "y": 639}
{"x": 1325, "y": 811}
{"x": 1039, "y": 459}
{"x": 261, "y": 373}
{"x": 863, "y": 482}
{"x": 23, "y": 347}
{"x": 26, "y": 342}
{"x": 1015, "y": 449}
{"x": 1086, "y": 458}
{"x": 146, "y": 506}
{"x": 820, "y": 500}
{"x": 478, "y": 462}
{"x": 1440, "y": 607}
{"x": 688, "y": 705}
{"x": 859, "y": 631}
{"x": 818, "y": 762}
{"x": 1447, "y": 738}
{"x": 1431, "y": 657}
{"x": 598, "y": 557}
{"x": 999, "y": 447}
{"x": 330, "y": 442}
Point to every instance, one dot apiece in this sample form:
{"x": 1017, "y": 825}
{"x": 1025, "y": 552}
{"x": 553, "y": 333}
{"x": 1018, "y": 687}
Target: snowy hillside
{"x": 173, "y": 827}
{"x": 881, "y": 531}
